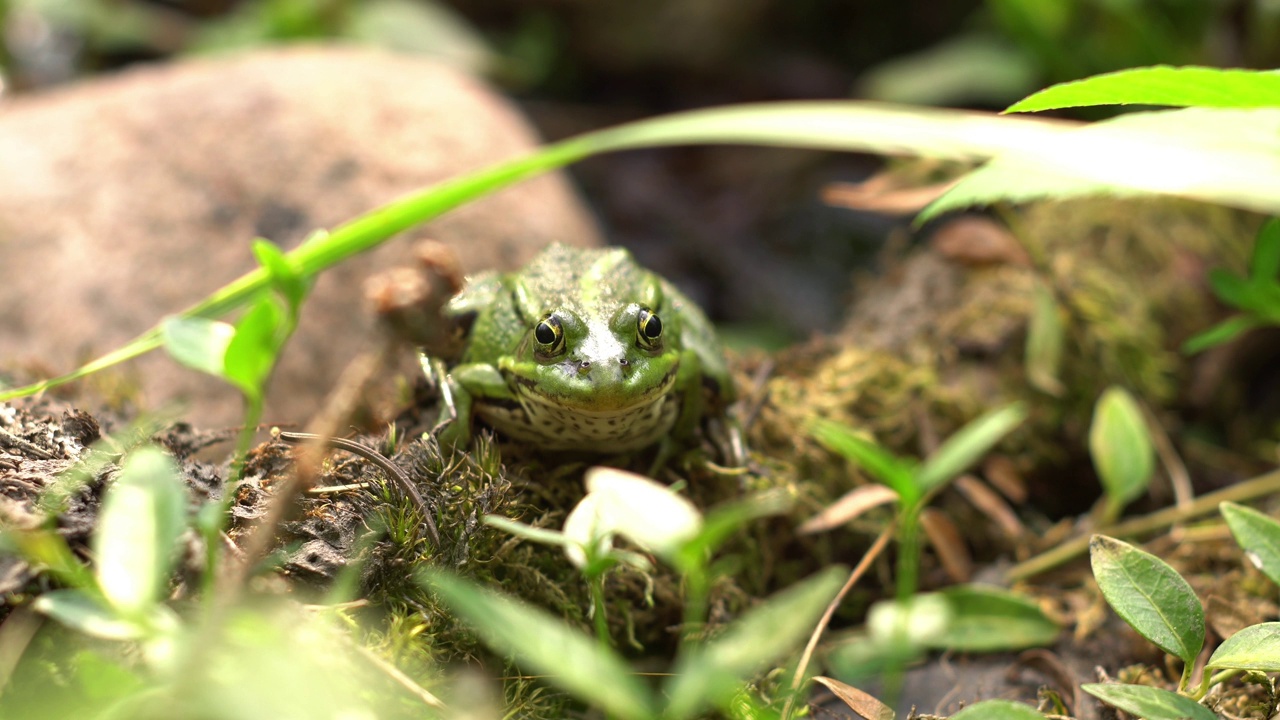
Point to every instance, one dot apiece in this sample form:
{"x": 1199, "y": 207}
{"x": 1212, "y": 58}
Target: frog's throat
{"x": 614, "y": 398}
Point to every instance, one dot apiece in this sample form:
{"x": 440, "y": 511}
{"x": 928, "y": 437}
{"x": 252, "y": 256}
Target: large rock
{"x": 126, "y": 198}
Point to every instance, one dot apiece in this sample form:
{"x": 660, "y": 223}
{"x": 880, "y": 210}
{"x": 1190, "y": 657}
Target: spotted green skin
{"x": 607, "y": 389}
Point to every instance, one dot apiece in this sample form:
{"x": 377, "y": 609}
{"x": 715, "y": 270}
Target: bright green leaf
{"x": 196, "y": 342}
{"x": 1266, "y": 253}
{"x": 78, "y": 611}
{"x": 252, "y": 351}
{"x": 712, "y": 673}
{"x": 968, "y": 445}
{"x": 291, "y": 283}
{"x": 722, "y": 521}
{"x": 1149, "y": 595}
{"x": 1162, "y": 85}
{"x": 1256, "y": 647}
{"x": 1045, "y": 335}
{"x": 143, "y": 517}
{"x": 886, "y": 468}
{"x": 1258, "y": 534}
{"x": 1149, "y": 703}
{"x": 1223, "y": 332}
{"x": 998, "y": 710}
{"x": 528, "y": 532}
{"x": 1234, "y": 290}
{"x": 544, "y": 644}
{"x": 985, "y": 619}
{"x": 1219, "y": 156}
{"x": 1121, "y": 446}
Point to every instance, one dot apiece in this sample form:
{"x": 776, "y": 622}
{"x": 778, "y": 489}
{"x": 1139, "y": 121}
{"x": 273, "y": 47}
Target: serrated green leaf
{"x": 998, "y": 710}
{"x": 545, "y": 644}
{"x": 712, "y": 673}
{"x": 1258, "y": 535}
{"x": 198, "y": 343}
{"x": 1120, "y": 446}
{"x": 1266, "y": 252}
{"x": 968, "y": 445}
{"x": 1223, "y": 332}
{"x": 1149, "y": 595}
{"x": 83, "y": 613}
{"x": 1213, "y": 155}
{"x": 1045, "y": 335}
{"x": 1161, "y": 85}
{"x": 985, "y": 619}
{"x": 143, "y": 516}
{"x": 1149, "y": 703}
{"x": 890, "y": 470}
{"x": 1256, "y": 647}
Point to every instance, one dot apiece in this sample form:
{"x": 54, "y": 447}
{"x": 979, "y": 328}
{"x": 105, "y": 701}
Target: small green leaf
{"x": 545, "y": 644}
{"x": 1161, "y": 85}
{"x": 1258, "y": 535}
{"x": 78, "y": 611}
{"x": 1045, "y": 335}
{"x": 1256, "y": 647}
{"x": 284, "y": 275}
{"x": 722, "y": 521}
{"x": 1149, "y": 703}
{"x": 644, "y": 511}
{"x": 1266, "y": 253}
{"x": 713, "y": 672}
{"x": 1234, "y": 290}
{"x": 197, "y": 342}
{"x": 886, "y": 468}
{"x": 143, "y": 516}
{"x": 985, "y": 619}
{"x": 1223, "y": 332}
{"x": 998, "y": 710}
{"x": 968, "y": 445}
{"x": 1149, "y": 595}
{"x": 1120, "y": 446}
{"x": 252, "y": 351}
{"x": 542, "y": 536}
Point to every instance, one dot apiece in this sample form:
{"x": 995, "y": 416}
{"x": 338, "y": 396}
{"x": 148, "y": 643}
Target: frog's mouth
{"x": 596, "y": 393}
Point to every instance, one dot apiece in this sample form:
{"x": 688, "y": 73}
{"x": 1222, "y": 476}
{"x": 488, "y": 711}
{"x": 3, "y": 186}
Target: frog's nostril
{"x": 623, "y": 362}
{"x": 584, "y": 366}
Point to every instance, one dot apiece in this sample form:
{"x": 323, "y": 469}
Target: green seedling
{"x": 1121, "y": 449}
{"x": 1257, "y": 296}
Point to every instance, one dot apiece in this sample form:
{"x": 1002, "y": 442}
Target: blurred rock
{"x": 130, "y": 197}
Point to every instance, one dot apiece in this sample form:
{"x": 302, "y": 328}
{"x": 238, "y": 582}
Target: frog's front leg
{"x": 464, "y": 383}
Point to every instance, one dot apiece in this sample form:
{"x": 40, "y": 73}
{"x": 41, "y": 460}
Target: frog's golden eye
{"x": 648, "y": 327}
{"x": 549, "y": 332}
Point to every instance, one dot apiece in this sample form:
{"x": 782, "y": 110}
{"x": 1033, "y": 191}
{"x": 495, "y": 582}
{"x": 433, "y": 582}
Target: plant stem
{"x": 595, "y": 585}
{"x": 909, "y": 553}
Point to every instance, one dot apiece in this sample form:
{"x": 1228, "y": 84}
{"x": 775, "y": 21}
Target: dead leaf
{"x": 854, "y": 503}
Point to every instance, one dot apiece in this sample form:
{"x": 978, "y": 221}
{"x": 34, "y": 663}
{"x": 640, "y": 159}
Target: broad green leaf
{"x": 1258, "y": 535}
{"x": 143, "y": 517}
{"x": 253, "y": 350}
{"x": 711, "y": 673}
{"x": 78, "y": 611}
{"x": 1120, "y": 446}
{"x": 545, "y": 645}
{"x": 1162, "y": 85}
{"x": 998, "y": 710}
{"x": 1149, "y": 595}
{"x": 1045, "y": 335}
{"x": 1224, "y": 331}
{"x": 1213, "y": 155}
{"x": 196, "y": 342}
{"x": 1149, "y": 703}
{"x": 892, "y": 471}
{"x": 968, "y": 445}
{"x": 644, "y": 511}
{"x": 1266, "y": 253}
{"x": 1256, "y": 647}
{"x": 985, "y": 619}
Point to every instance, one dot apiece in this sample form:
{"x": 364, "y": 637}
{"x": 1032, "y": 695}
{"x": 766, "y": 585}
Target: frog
{"x": 582, "y": 350}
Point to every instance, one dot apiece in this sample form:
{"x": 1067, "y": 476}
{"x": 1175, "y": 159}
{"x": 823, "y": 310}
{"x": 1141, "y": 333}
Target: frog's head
{"x": 609, "y": 353}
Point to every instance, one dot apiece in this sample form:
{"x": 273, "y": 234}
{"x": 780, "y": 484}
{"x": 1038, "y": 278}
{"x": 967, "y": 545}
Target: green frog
{"x": 582, "y": 350}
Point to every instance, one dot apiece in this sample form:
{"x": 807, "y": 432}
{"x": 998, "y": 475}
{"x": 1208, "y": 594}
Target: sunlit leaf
{"x": 1149, "y": 703}
{"x": 711, "y": 673}
{"x": 252, "y": 351}
{"x": 78, "y": 611}
{"x": 1162, "y": 85}
{"x": 1258, "y": 535}
{"x": 1256, "y": 647}
{"x": 143, "y": 516}
{"x": 196, "y": 342}
{"x": 1120, "y": 446}
{"x": 998, "y": 710}
{"x": 968, "y": 445}
{"x": 544, "y": 644}
{"x": 1149, "y": 595}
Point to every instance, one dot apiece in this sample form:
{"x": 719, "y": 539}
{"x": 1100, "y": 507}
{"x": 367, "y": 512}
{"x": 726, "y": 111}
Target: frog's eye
{"x": 648, "y": 327}
{"x": 549, "y": 333}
